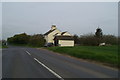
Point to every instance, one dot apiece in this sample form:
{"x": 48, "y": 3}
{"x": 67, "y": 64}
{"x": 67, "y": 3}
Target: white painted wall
{"x": 66, "y": 42}
{"x": 49, "y": 38}
{"x": 46, "y": 38}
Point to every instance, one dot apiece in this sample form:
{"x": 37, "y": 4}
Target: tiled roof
{"x": 63, "y": 32}
{"x": 49, "y": 32}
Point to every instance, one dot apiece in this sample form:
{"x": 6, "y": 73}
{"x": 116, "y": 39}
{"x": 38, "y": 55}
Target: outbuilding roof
{"x": 63, "y": 38}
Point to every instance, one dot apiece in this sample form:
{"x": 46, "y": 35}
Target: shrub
{"x": 19, "y": 39}
{"x": 92, "y": 40}
{"x": 37, "y": 40}
{"x": 24, "y": 39}
{"x": 110, "y": 39}
{"x": 88, "y": 39}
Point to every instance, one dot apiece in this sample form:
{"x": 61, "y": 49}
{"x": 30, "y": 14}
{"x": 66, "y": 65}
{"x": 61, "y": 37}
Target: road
{"x": 22, "y": 62}
{"x": 0, "y": 63}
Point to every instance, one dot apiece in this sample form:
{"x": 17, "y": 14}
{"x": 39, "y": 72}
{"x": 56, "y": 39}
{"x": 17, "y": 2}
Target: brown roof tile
{"x": 63, "y": 32}
{"x": 49, "y": 32}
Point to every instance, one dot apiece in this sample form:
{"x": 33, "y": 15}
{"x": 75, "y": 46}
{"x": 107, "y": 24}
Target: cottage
{"x": 58, "y": 38}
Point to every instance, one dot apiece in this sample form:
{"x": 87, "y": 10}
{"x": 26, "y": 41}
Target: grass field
{"x": 105, "y": 54}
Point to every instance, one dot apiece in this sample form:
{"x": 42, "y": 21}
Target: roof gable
{"x": 63, "y": 32}
{"x": 49, "y": 32}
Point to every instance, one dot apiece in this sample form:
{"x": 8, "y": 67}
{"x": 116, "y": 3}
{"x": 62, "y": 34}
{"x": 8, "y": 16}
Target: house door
{"x": 56, "y": 42}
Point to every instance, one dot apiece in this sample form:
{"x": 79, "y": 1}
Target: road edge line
{"x": 49, "y": 69}
{"x": 28, "y": 53}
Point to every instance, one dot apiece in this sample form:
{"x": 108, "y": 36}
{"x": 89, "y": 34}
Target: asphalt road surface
{"x": 21, "y": 62}
{"x": 0, "y": 63}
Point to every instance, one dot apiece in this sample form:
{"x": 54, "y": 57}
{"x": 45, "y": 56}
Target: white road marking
{"x": 49, "y": 69}
{"x": 28, "y": 53}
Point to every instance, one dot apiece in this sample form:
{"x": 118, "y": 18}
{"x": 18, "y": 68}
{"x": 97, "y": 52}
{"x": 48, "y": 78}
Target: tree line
{"x": 96, "y": 38}
{"x": 36, "y": 40}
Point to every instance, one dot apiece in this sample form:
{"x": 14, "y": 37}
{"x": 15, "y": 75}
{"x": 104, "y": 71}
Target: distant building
{"x": 59, "y": 38}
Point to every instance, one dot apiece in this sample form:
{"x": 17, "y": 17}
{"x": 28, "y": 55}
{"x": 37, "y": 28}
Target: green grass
{"x": 3, "y": 46}
{"x": 105, "y": 54}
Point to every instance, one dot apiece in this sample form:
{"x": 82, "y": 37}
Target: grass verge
{"x": 4, "y": 46}
{"x": 104, "y": 54}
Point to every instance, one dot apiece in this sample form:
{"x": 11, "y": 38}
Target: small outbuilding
{"x": 64, "y": 41}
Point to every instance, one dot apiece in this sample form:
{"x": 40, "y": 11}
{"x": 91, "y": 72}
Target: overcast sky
{"x": 76, "y": 18}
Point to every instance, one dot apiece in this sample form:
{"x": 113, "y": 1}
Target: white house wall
{"x": 66, "y": 42}
{"x": 46, "y": 38}
{"x": 50, "y": 37}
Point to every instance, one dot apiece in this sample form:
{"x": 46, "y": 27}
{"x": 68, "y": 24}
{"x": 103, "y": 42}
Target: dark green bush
{"x": 92, "y": 40}
{"x": 36, "y": 40}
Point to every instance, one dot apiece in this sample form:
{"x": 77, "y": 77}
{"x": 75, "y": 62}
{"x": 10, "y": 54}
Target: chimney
{"x": 53, "y": 27}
